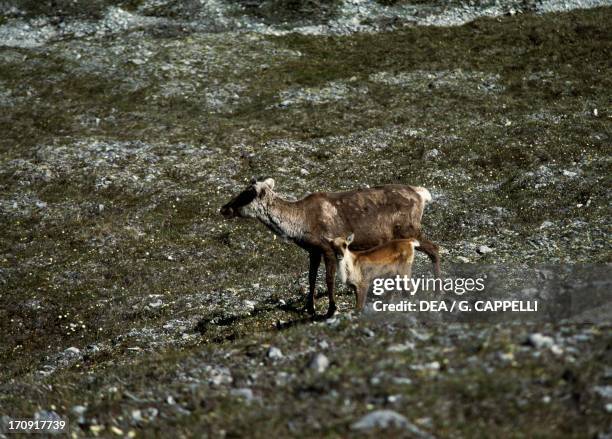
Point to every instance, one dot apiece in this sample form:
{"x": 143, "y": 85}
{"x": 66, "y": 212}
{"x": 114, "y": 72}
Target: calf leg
{"x": 361, "y": 292}
{"x": 330, "y": 277}
{"x": 313, "y": 270}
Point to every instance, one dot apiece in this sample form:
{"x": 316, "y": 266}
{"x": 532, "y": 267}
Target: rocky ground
{"x": 130, "y": 307}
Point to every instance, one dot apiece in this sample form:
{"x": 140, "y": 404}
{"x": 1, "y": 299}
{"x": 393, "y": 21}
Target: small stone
{"x": 46, "y": 415}
{"x": 319, "y": 363}
{"x": 323, "y": 344}
{"x": 540, "y": 341}
{"x": 393, "y": 398}
{"x": 249, "y": 305}
{"x": 156, "y": 304}
{"x": 402, "y": 381}
{"x": 72, "y": 351}
{"x": 595, "y": 112}
{"x": 432, "y": 154}
{"x": 604, "y": 391}
{"x": 546, "y": 224}
{"x": 151, "y": 412}
{"x": 96, "y": 429}
{"x": 220, "y": 376}
{"x": 245, "y": 393}
{"x": 275, "y": 353}
{"x": 483, "y": 250}
{"x": 368, "y": 332}
{"x": 463, "y": 259}
{"x": 569, "y": 173}
{"x": 137, "y": 415}
{"x": 78, "y": 410}
{"x": 556, "y": 349}
{"x": 506, "y": 356}
{"x": 41, "y": 204}
{"x": 304, "y": 172}
{"x": 388, "y": 418}
{"x": 401, "y": 347}
{"x": 117, "y": 431}
{"x": 433, "y": 366}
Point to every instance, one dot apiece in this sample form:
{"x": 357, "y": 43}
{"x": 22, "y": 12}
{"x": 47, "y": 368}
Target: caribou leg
{"x": 330, "y": 278}
{"x": 315, "y": 261}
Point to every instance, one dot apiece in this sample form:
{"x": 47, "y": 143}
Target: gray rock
{"x": 546, "y": 224}
{"x": 219, "y": 376}
{"x": 401, "y": 347}
{"x": 144, "y": 415}
{"x": 540, "y": 341}
{"x": 137, "y": 415}
{"x": 283, "y": 378}
{"x": 72, "y": 351}
{"x": 368, "y": 332}
{"x": 156, "y": 304}
{"x": 78, "y": 410}
{"x": 604, "y": 391}
{"x": 433, "y": 366}
{"x": 570, "y": 174}
{"x": 319, "y": 363}
{"x": 402, "y": 381}
{"x": 274, "y": 353}
{"x": 245, "y": 393}
{"x": 388, "y": 418}
{"x": 483, "y": 250}
{"x": 45, "y": 415}
{"x": 432, "y": 154}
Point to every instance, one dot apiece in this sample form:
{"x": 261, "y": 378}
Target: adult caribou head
{"x": 375, "y": 215}
{"x": 249, "y": 201}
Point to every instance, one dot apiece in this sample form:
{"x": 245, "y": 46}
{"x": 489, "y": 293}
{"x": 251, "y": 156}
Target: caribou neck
{"x": 285, "y": 218}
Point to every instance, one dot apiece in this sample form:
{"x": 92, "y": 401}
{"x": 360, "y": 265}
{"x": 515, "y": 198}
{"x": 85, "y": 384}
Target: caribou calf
{"x": 358, "y": 268}
{"x": 375, "y": 215}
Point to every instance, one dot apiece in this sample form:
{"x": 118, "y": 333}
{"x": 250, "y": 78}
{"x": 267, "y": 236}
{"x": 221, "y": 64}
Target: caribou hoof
{"x": 331, "y": 311}
{"x": 310, "y": 309}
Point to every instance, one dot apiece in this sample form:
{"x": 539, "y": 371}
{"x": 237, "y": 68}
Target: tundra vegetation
{"x": 128, "y": 304}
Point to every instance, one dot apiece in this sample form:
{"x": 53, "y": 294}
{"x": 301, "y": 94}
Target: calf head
{"x": 250, "y": 201}
{"x": 341, "y": 245}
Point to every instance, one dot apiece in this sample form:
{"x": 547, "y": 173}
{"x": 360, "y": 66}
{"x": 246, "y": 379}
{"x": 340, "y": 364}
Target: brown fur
{"x": 359, "y": 268}
{"x": 375, "y": 215}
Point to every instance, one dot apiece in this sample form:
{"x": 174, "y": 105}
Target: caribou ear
{"x": 350, "y": 238}
{"x": 253, "y": 180}
{"x": 269, "y": 182}
{"x": 328, "y": 239}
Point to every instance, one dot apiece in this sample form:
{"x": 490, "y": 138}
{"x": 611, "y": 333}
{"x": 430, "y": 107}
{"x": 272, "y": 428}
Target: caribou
{"x": 374, "y": 215}
{"x": 357, "y": 269}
